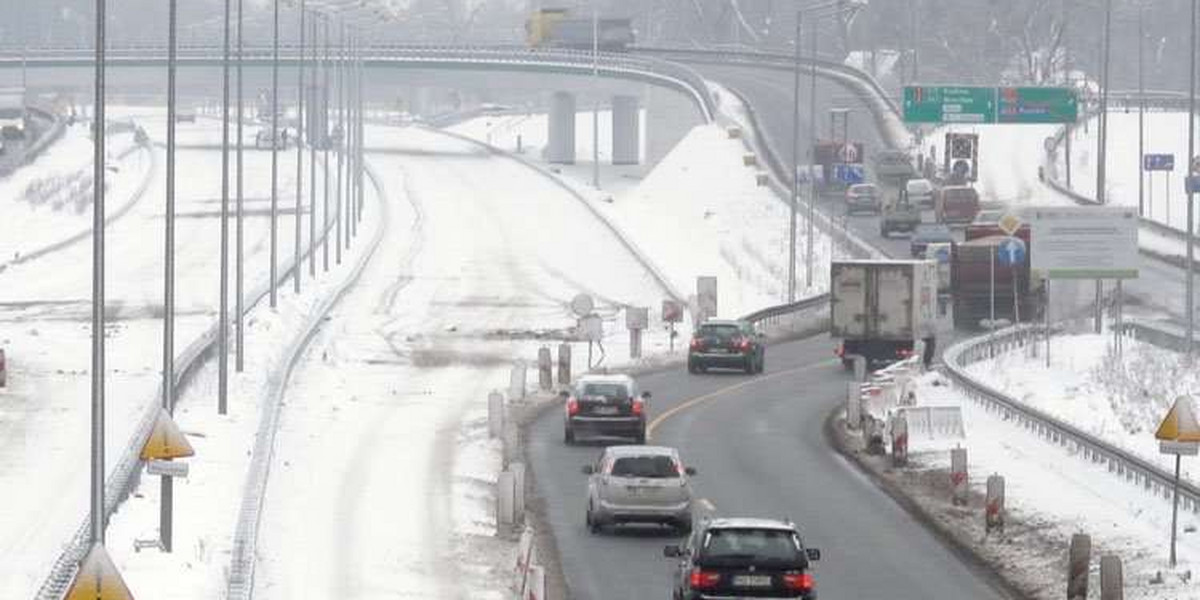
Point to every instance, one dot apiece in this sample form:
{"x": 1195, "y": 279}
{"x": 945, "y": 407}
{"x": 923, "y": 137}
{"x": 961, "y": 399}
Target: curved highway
{"x": 760, "y": 449}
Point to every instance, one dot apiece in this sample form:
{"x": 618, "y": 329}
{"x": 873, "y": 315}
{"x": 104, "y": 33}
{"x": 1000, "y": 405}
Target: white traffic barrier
{"x": 1112, "y": 578}
{"x": 516, "y": 382}
{"x": 993, "y": 510}
{"x": 564, "y": 364}
{"x": 537, "y": 583}
{"x": 853, "y": 406}
{"x": 958, "y": 476}
{"x": 504, "y": 502}
{"x": 518, "y": 471}
{"x": 899, "y": 427}
{"x": 545, "y": 380}
{"x": 495, "y": 414}
{"x": 935, "y": 422}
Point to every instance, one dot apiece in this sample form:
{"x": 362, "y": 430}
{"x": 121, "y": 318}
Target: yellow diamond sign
{"x": 1180, "y": 423}
{"x": 1010, "y": 223}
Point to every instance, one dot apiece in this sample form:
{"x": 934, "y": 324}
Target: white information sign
{"x": 1085, "y": 242}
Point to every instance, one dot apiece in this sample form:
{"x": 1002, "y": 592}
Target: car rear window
{"x": 651, "y": 467}
{"x": 612, "y": 391}
{"x": 752, "y": 544}
{"x": 723, "y": 332}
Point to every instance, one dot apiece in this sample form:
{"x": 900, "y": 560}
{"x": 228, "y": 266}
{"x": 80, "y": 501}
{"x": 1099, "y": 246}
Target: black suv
{"x": 743, "y": 558}
{"x": 729, "y": 344}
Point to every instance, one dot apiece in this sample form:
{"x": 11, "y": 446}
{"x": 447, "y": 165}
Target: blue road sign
{"x": 942, "y": 254}
{"x": 1158, "y": 162}
{"x": 1011, "y": 251}
{"x": 1191, "y": 184}
{"x": 849, "y": 174}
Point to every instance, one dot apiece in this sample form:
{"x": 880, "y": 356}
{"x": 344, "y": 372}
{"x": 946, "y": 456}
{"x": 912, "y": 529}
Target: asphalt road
{"x": 758, "y": 443}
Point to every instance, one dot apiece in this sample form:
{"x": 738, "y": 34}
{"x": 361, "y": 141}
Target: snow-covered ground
{"x": 701, "y": 211}
{"x": 1165, "y": 133}
{"x": 44, "y": 328}
{"x": 1052, "y": 491}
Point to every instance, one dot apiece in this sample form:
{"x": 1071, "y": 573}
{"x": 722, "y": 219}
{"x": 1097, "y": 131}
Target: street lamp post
{"x": 240, "y": 362}
{"x": 1141, "y": 113}
{"x": 1102, "y": 143}
{"x": 166, "y": 485}
{"x": 223, "y": 320}
{"x": 98, "y": 520}
{"x": 325, "y": 146}
{"x": 791, "y": 287}
{"x": 340, "y": 73}
{"x": 1191, "y": 208}
{"x": 300, "y": 66}
{"x": 274, "y": 148}
{"x": 314, "y": 135}
{"x": 812, "y": 135}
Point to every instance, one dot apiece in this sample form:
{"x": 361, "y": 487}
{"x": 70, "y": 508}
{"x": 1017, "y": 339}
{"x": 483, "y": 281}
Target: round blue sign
{"x": 1011, "y": 251}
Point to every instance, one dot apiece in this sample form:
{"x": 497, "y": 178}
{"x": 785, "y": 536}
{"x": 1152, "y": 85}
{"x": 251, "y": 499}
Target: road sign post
{"x": 1012, "y": 252}
{"x": 1178, "y": 434}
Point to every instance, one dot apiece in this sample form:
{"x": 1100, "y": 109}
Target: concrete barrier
{"x": 545, "y": 374}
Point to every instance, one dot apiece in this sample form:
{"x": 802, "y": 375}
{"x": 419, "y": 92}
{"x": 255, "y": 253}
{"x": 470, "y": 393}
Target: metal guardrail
{"x": 1119, "y": 462}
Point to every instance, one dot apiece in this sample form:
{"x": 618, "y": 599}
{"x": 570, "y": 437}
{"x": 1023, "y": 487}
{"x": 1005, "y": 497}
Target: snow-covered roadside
{"x": 1053, "y": 491}
{"x": 701, "y": 211}
{"x": 207, "y": 501}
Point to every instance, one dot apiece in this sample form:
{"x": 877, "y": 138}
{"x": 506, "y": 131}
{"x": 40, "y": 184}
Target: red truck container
{"x": 971, "y": 270}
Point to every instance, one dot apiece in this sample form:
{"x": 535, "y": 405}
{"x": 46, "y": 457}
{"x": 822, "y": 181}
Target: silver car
{"x": 639, "y": 484}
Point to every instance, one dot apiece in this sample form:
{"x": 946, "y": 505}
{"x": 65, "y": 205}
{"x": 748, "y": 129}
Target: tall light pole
{"x": 1141, "y": 112}
{"x": 596, "y": 100}
{"x": 223, "y": 319}
{"x": 313, "y": 136}
{"x": 300, "y": 66}
{"x": 1102, "y": 143}
{"x": 166, "y": 487}
{"x": 1191, "y": 209}
{"x": 240, "y": 363}
{"x": 274, "y": 149}
{"x": 812, "y": 135}
{"x": 99, "y": 520}
{"x": 340, "y": 73}
{"x": 325, "y": 147}
{"x": 791, "y": 281}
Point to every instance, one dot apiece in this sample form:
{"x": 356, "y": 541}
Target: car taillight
{"x": 904, "y": 353}
{"x": 840, "y": 351}
{"x": 696, "y": 343}
{"x": 798, "y": 582}
{"x": 744, "y": 344}
{"x": 701, "y": 579}
{"x": 638, "y": 407}
{"x": 572, "y": 407}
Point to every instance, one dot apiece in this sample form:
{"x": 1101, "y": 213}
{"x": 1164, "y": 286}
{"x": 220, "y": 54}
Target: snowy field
{"x": 1165, "y": 133}
{"x": 1053, "y": 492}
{"x": 699, "y": 212}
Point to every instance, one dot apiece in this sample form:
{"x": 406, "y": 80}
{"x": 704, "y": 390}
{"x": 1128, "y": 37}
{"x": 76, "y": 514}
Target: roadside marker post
{"x": 1112, "y": 578}
{"x": 545, "y": 376}
{"x": 994, "y": 507}
{"x": 495, "y": 414}
{"x": 958, "y": 476}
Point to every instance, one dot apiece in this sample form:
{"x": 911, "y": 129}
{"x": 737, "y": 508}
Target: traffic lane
{"x": 761, "y": 451}
{"x": 628, "y": 563}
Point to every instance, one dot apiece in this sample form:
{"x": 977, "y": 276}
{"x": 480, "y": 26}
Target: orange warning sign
{"x": 166, "y": 441}
{"x": 98, "y": 579}
{"x": 1180, "y": 423}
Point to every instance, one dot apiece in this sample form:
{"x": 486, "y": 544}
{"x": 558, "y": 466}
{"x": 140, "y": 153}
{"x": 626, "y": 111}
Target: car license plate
{"x": 606, "y": 410}
{"x": 718, "y": 350}
{"x": 752, "y": 580}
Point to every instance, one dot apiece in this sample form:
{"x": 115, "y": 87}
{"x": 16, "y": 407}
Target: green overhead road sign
{"x": 968, "y": 104}
{"x": 949, "y": 104}
{"x": 1037, "y": 105}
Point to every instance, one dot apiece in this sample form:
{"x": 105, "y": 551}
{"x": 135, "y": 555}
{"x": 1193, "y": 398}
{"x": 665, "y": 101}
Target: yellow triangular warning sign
{"x": 166, "y": 441}
{"x": 1180, "y": 423}
{"x": 98, "y": 579}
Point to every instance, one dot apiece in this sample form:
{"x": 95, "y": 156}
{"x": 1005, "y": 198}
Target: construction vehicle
{"x": 556, "y": 28}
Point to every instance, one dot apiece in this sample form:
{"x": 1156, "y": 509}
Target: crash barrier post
{"x": 749, "y": 159}
{"x": 516, "y": 382}
{"x": 3, "y": 369}
{"x": 495, "y": 414}
{"x": 1112, "y": 578}
{"x": 873, "y": 435}
{"x": 518, "y": 470}
{"x": 899, "y": 439}
{"x": 545, "y": 374}
{"x": 958, "y": 476}
{"x": 1078, "y": 559}
{"x": 993, "y": 510}
{"x": 860, "y": 367}
{"x": 504, "y": 502}
{"x": 853, "y": 405}
{"x": 564, "y": 364}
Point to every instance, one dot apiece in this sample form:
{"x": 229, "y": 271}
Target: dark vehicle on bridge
{"x": 553, "y": 28}
{"x": 604, "y": 405}
{"x": 639, "y": 484}
{"x": 743, "y": 558}
{"x": 726, "y": 344}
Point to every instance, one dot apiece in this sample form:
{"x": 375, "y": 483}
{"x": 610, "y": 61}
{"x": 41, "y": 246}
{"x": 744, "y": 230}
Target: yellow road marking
{"x": 717, "y": 393}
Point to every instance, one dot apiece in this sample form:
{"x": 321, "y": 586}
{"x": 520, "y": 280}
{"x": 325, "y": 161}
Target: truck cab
{"x": 899, "y": 214}
{"x": 956, "y": 204}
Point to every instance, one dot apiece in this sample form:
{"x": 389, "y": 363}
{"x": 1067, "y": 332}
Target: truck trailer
{"x": 983, "y": 287}
{"x": 880, "y": 309}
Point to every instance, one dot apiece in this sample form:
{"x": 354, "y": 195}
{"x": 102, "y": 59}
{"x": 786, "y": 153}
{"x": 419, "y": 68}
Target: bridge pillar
{"x": 560, "y": 145}
{"x": 626, "y": 134}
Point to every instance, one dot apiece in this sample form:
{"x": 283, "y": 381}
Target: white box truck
{"x": 880, "y": 308}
